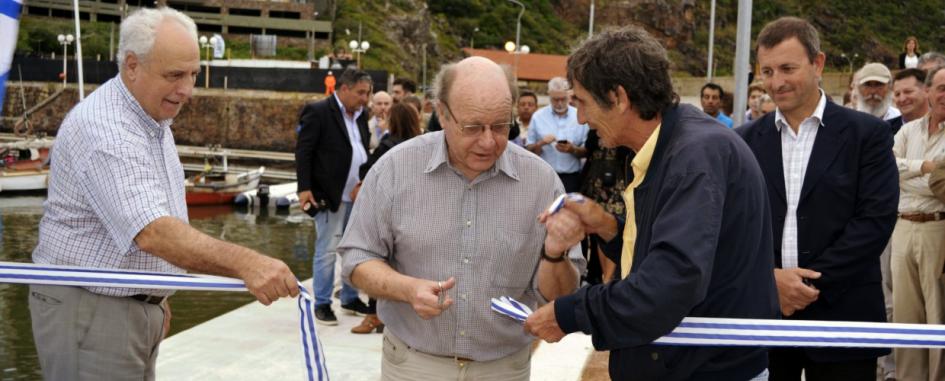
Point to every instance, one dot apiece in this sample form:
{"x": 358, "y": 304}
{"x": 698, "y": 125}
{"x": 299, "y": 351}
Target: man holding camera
{"x": 332, "y": 145}
{"x": 557, "y": 137}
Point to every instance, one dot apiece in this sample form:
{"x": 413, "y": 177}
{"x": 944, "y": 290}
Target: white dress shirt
{"x": 795, "y": 153}
{"x": 914, "y": 146}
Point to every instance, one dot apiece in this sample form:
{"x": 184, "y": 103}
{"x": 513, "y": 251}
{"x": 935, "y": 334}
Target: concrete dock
{"x": 255, "y": 342}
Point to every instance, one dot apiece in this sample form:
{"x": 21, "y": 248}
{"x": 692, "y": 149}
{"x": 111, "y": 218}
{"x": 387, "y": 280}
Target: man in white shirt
{"x": 918, "y": 243}
{"x": 380, "y": 107}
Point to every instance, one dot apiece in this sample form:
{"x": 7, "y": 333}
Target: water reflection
{"x": 288, "y": 237}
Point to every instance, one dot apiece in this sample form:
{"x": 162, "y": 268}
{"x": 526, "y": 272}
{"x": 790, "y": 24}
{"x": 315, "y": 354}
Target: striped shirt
{"x": 420, "y": 215}
{"x": 795, "y": 154}
{"x": 114, "y": 171}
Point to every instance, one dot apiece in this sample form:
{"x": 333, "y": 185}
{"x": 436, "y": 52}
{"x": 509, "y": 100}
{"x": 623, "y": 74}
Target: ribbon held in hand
{"x": 511, "y": 308}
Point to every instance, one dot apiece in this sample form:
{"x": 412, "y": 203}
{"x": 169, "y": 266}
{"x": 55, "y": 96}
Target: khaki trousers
{"x": 918, "y": 257}
{"x": 402, "y": 363}
{"x": 85, "y": 336}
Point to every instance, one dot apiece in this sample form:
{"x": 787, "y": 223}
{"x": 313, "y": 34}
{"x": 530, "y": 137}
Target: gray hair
{"x": 558, "y": 84}
{"x": 931, "y": 76}
{"x": 627, "y": 57}
{"x": 936, "y": 57}
{"x": 139, "y": 30}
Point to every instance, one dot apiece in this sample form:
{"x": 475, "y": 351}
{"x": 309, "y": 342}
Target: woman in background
{"x": 910, "y": 53}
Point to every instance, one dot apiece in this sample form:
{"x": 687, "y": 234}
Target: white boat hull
{"x": 16, "y": 181}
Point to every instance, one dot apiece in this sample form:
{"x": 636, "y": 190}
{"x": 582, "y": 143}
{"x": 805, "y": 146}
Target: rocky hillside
{"x": 400, "y": 30}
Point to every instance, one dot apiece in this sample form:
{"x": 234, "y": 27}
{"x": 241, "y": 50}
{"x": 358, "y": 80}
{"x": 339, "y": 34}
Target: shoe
{"x": 325, "y": 316}
{"x": 370, "y": 323}
{"x": 357, "y": 307}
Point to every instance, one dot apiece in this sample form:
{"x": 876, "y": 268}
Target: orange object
{"x": 329, "y": 84}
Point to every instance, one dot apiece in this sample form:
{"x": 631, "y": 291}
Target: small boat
{"x": 24, "y": 165}
{"x": 279, "y": 194}
{"x": 212, "y": 188}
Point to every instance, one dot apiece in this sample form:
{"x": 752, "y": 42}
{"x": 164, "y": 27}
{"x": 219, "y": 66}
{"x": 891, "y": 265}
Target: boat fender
{"x": 263, "y": 195}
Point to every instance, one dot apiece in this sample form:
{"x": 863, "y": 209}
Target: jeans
{"x": 329, "y": 226}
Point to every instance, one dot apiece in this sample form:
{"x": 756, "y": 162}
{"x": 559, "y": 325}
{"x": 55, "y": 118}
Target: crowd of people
{"x": 812, "y": 210}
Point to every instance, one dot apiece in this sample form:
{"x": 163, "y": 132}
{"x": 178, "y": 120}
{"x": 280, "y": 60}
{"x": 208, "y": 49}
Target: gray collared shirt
{"x": 422, "y": 217}
{"x": 114, "y": 170}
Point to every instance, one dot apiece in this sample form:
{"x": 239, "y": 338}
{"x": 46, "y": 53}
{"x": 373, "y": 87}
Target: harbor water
{"x": 289, "y": 237}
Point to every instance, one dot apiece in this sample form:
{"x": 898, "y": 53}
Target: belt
{"x": 150, "y": 299}
{"x": 922, "y": 217}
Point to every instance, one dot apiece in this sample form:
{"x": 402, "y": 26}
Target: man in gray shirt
{"x": 447, "y": 221}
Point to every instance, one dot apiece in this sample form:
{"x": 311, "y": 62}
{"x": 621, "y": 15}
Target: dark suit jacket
{"x": 323, "y": 153}
{"x": 845, "y": 216}
{"x": 703, "y": 248}
{"x": 895, "y": 124}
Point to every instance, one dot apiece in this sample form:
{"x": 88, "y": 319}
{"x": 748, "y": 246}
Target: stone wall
{"x": 243, "y": 119}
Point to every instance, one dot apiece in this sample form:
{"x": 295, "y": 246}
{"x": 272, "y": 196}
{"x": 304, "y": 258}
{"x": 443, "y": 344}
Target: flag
{"x": 9, "y": 25}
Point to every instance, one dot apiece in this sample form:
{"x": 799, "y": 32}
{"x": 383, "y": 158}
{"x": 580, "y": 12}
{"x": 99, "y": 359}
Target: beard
{"x": 878, "y": 110}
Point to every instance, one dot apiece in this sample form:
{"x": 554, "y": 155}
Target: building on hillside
{"x": 533, "y": 70}
{"x": 298, "y": 19}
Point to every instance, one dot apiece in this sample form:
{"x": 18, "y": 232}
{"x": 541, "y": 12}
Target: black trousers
{"x": 571, "y": 181}
{"x": 786, "y": 364}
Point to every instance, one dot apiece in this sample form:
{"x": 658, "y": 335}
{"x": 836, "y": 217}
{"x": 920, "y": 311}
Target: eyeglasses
{"x": 474, "y": 130}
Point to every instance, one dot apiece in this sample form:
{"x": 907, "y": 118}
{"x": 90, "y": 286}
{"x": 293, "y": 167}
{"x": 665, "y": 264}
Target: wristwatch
{"x": 551, "y": 259}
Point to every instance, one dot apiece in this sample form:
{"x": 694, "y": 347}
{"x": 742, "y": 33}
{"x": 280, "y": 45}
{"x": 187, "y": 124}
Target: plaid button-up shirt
{"x": 114, "y": 170}
{"x": 422, "y": 217}
{"x": 795, "y": 155}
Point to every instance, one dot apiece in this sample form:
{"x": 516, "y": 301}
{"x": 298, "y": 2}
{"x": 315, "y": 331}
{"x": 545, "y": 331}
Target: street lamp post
{"x": 472, "y": 40}
{"x": 512, "y": 48}
{"x": 518, "y": 24}
{"x": 206, "y": 44}
{"x": 65, "y": 40}
{"x": 359, "y": 46}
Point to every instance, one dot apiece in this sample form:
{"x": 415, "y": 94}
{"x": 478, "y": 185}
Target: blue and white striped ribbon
{"x": 28, "y": 273}
{"x": 700, "y": 331}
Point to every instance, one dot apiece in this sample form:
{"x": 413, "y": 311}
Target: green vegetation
{"x": 874, "y": 30}
{"x": 400, "y": 30}
{"x": 38, "y": 35}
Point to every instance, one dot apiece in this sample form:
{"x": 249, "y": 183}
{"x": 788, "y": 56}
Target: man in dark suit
{"x": 833, "y": 187}
{"x": 697, "y": 237}
{"x": 333, "y": 143}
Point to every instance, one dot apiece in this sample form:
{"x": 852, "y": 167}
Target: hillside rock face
{"x": 672, "y": 22}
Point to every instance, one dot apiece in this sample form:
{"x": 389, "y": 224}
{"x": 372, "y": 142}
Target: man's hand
{"x": 269, "y": 279}
{"x": 565, "y": 147}
{"x": 593, "y": 217}
{"x": 928, "y": 166}
{"x": 306, "y": 200}
{"x": 548, "y": 139}
{"x": 430, "y": 298}
{"x": 543, "y": 324}
{"x": 793, "y": 294}
{"x": 565, "y": 230}
{"x": 166, "y": 306}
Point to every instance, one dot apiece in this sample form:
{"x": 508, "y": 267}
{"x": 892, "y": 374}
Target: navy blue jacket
{"x": 323, "y": 152}
{"x": 845, "y": 216}
{"x": 703, "y": 248}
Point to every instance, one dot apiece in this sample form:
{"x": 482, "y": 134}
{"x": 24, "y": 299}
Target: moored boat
{"x": 211, "y": 188}
{"x": 24, "y": 165}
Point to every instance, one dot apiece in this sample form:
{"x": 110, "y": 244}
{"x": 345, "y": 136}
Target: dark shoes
{"x": 357, "y": 307}
{"x": 324, "y": 315}
{"x": 370, "y": 323}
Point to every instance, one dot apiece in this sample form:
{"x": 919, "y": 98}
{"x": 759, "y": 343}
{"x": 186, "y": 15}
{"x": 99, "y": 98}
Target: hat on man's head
{"x": 874, "y": 72}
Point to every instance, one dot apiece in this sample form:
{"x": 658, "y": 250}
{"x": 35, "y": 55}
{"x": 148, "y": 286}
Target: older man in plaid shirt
{"x": 116, "y": 200}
